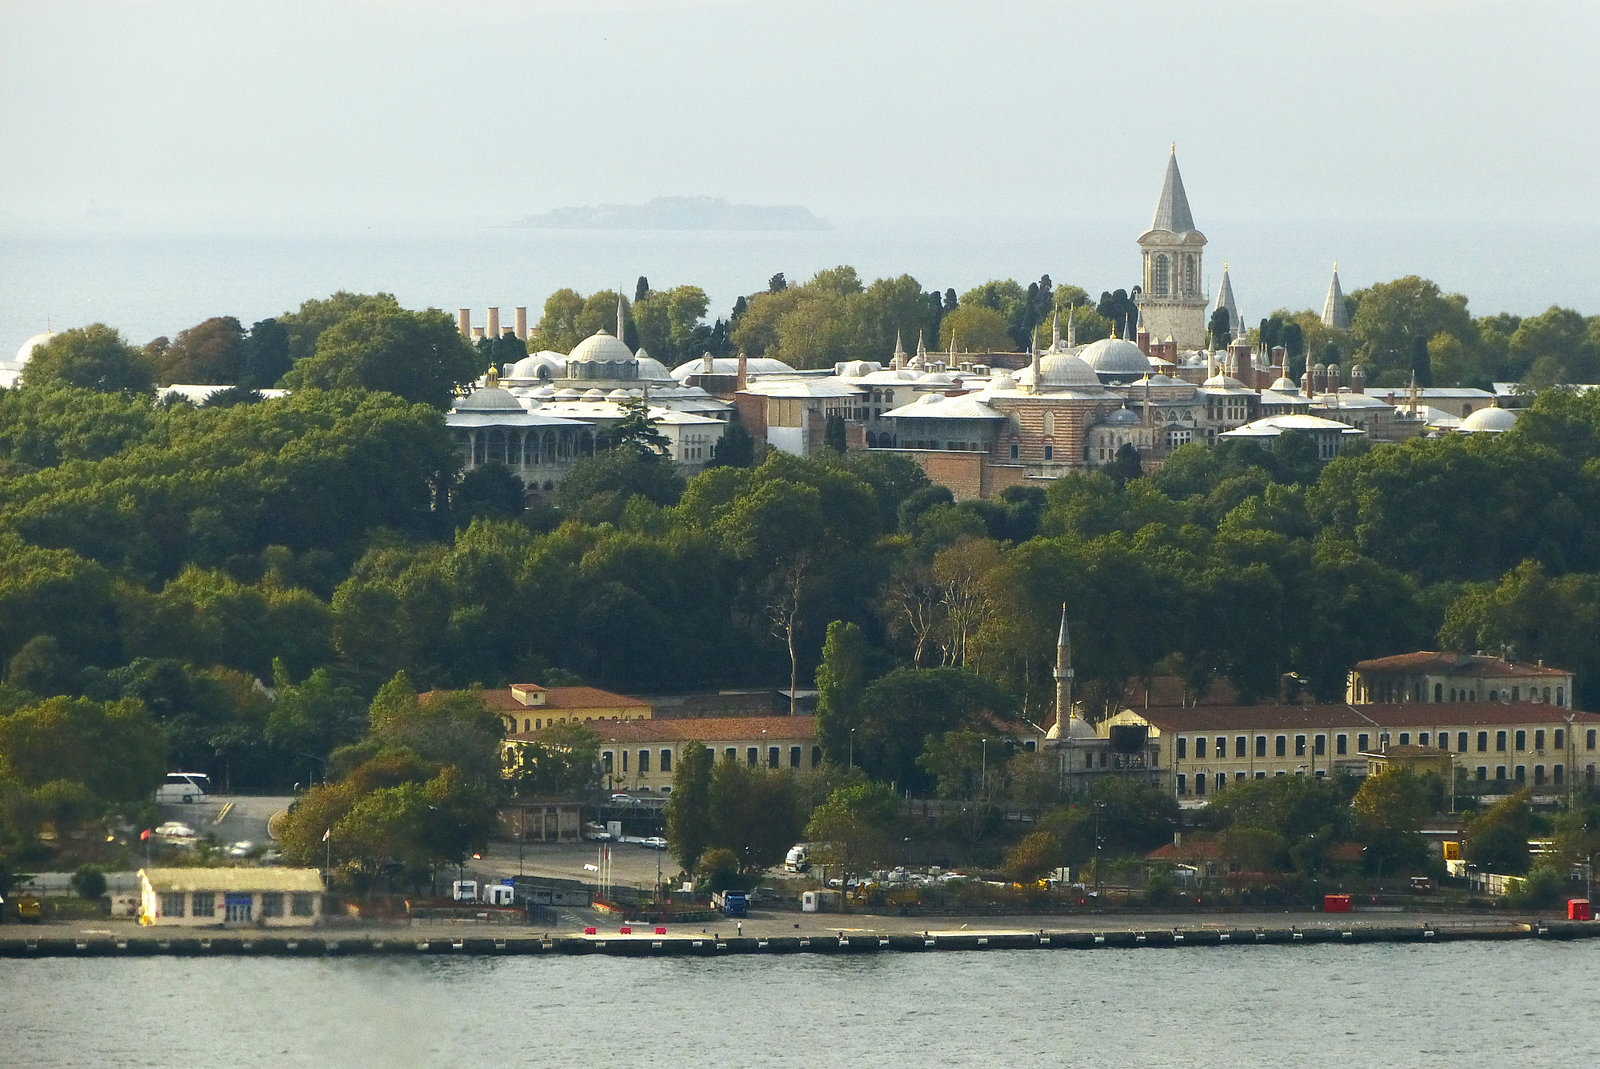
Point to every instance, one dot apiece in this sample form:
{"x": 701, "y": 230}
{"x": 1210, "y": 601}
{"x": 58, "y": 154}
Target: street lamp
{"x": 983, "y": 772}
{"x": 852, "y": 747}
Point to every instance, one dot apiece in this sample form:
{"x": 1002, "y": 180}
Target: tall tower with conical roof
{"x": 1225, "y": 300}
{"x": 1064, "y": 676}
{"x": 1336, "y": 310}
{"x": 1172, "y": 301}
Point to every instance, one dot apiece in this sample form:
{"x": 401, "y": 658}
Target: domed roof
{"x": 600, "y": 346}
{"x": 1004, "y": 380}
{"x": 529, "y": 366}
{"x": 1122, "y": 417}
{"x": 1115, "y": 356}
{"x": 1284, "y": 384}
{"x": 618, "y": 394}
{"x": 1493, "y": 420}
{"x": 594, "y": 393}
{"x": 1063, "y": 370}
{"x": 489, "y": 399}
{"x": 30, "y": 345}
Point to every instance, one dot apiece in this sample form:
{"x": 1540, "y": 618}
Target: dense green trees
{"x": 93, "y": 358}
{"x": 419, "y": 356}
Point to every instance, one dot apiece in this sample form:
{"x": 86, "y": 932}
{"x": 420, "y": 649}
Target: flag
{"x": 144, "y": 835}
{"x": 326, "y": 834}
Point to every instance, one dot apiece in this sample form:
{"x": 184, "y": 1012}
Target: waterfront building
{"x": 258, "y": 897}
{"x": 641, "y": 754}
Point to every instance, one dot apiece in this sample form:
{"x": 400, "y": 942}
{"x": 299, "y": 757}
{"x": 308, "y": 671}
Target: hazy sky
{"x": 244, "y": 111}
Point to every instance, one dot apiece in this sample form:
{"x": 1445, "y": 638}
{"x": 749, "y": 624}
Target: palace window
{"x": 1161, "y": 275}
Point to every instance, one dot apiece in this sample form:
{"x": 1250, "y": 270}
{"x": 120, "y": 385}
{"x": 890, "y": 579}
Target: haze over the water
{"x": 400, "y": 115}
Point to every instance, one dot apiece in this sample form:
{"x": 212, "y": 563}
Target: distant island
{"x": 678, "y": 213}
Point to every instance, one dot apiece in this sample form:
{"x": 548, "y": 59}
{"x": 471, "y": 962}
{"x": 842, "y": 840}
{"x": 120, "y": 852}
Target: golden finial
{"x": 1174, "y": 148}
{"x": 492, "y": 378}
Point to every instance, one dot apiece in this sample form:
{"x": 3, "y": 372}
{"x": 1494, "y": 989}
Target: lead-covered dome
{"x": 1063, "y": 370}
{"x": 1116, "y": 358}
{"x": 600, "y": 346}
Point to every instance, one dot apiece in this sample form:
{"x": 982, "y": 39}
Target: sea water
{"x": 1524, "y": 1004}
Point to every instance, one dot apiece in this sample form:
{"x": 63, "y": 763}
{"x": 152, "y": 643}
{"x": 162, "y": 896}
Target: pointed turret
{"x": 1225, "y": 300}
{"x": 1055, "y": 332}
{"x": 1064, "y": 675}
{"x": 1335, "y": 310}
{"x": 1072, "y": 328}
{"x": 1172, "y": 210}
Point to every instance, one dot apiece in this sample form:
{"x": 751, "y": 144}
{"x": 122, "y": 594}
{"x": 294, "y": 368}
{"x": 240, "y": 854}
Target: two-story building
{"x": 528, "y": 707}
{"x": 1429, "y": 676}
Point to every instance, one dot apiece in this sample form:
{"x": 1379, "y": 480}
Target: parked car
{"x": 242, "y": 848}
{"x": 654, "y": 842}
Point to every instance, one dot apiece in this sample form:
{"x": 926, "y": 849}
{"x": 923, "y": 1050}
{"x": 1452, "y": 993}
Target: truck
{"x": 733, "y": 903}
{"x": 798, "y": 859}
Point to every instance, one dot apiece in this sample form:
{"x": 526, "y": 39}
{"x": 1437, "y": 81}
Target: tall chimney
{"x": 492, "y": 324}
{"x": 464, "y": 321}
{"x": 742, "y": 380}
{"x": 521, "y": 321}
{"x": 1142, "y": 340}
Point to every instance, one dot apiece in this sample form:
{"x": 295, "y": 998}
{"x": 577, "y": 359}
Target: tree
{"x": 976, "y": 329}
{"x": 596, "y": 488}
{"x": 419, "y": 356}
{"x": 564, "y": 760}
{"x": 900, "y": 710}
{"x": 1390, "y": 315}
{"x": 735, "y": 449}
{"x": 833, "y": 433}
{"x": 689, "y": 809}
{"x": 636, "y": 431}
{"x": 1037, "y": 854}
{"x": 754, "y": 812}
{"x": 92, "y": 358}
{"x": 1220, "y": 329}
{"x": 841, "y": 679}
{"x": 209, "y": 352}
{"x": 265, "y": 356}
{"x": 1497, "y": 841}
{"x": 856, "y": 827}
{"x": 491, "y": 490}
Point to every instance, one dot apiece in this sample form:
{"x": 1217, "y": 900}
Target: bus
{"x": 184, "y": 787}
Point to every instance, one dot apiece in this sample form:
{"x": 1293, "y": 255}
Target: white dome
{"x": 1493, "y": 420}
{"x": 1062, "y": 370}
{"x": 566, "y": 393}
{"x": 617, "y": 395}
{"x": 600, "y": 346}
{"x": 30, "y": 345}
{"x": 1284, "y": 385}
{"x": 1122, "y": 417}
{"x": 1115, "y": 356}
{"x": 594, "y": 393}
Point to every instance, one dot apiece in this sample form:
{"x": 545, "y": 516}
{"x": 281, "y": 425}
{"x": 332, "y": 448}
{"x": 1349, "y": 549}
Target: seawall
{"x": 146, "y": 943}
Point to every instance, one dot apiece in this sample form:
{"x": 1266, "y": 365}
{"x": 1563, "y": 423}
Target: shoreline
{"x": 855, "y": 934}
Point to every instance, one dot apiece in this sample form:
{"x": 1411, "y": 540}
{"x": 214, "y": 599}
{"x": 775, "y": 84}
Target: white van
{"x": 184, "y": 787}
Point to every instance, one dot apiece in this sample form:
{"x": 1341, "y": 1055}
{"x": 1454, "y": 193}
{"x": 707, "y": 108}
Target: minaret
{"x": 619, "y": 317}
{"x": 1064, "y": 673}
{"x": 1072, "y": 328}
{"x": 1336, "y": 310}
{"x": 1055, "y": 332}
{"x": 898, "y": 360}
{"x": 1170, "y": 299}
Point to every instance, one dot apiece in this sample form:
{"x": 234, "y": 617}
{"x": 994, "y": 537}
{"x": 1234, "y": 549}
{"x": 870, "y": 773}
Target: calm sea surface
{"x": 150, "y": 284}
{"x": 1518, "y": 1004}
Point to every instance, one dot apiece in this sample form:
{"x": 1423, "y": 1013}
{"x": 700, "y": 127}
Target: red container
{"x": 1578, "y": 910}
{"x": 1336, "y": 903}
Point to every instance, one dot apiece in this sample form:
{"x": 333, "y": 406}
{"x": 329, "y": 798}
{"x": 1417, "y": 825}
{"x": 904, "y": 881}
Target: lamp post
{"x": 852, "y": 747}
{"x": 983, "y": 772}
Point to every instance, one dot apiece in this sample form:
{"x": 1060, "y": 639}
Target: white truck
{"x": 798, "y": 859}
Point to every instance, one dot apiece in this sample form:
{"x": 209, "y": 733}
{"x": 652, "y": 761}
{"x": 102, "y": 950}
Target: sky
{"x": 406, "y": 112}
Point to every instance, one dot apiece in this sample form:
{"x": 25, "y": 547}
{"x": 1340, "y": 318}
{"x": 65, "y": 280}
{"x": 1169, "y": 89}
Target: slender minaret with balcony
{"x": 1172, "y": 301}
{"x": 1064, "y": 676}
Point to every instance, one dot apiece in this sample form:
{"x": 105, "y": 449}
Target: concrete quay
{"x": 851, "y": 934}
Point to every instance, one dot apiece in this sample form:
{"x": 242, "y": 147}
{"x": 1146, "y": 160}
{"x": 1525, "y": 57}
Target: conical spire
{"x": 1064, "y": 676}
{"x": 1072, "y": 328}
{"x": 1172, "y": 210}
{"x": 1225, "y": 300}
{"x": 899, "y": 349}
{"x": 1335, "y": 310}
{"x": 1055, "y": 332}
{"x": 619, "y": 317}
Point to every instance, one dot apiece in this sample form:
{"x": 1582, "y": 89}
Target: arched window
{"x": 1161, "y": 275}
{"x": 1191, "y": 275}
{"x": 1049, "y": 424}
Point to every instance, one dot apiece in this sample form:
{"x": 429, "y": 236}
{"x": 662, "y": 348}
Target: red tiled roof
{"x": 1185, "y": 718}
{"x": 1179, "y": 718}
{"x": 503, "y": 701}
{"x": 1455, "y": 664}
{"x": 1449, "y": 714}
{"x": 705, "y": 729}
